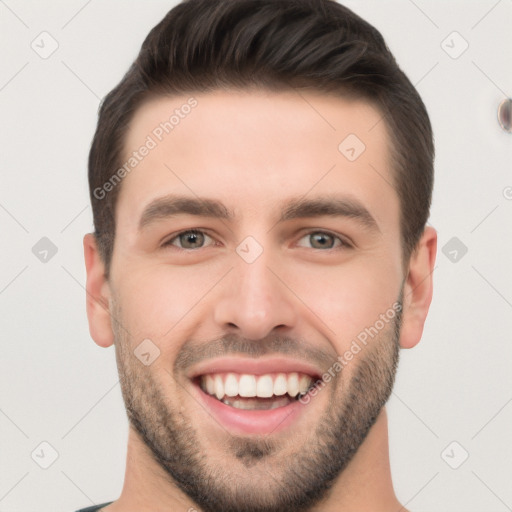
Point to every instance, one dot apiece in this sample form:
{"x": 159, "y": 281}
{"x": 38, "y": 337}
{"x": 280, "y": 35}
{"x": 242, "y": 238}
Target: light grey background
{"x": 58, "y": 387}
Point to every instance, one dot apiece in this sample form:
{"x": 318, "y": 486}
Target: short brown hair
{"x": 316, "y": 45}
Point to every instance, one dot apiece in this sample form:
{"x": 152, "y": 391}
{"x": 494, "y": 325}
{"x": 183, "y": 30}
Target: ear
{"x": 418, "y": 289}
{"x": 98, "y": 294}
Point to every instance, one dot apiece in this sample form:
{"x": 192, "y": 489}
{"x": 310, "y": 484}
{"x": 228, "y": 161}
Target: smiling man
{"x": 261, "y": 181}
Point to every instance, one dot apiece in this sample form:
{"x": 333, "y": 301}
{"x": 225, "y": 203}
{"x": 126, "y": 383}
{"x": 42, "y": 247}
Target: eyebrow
{"x": 329, "y": 206}
{"x": 295, "y": 208}
{"x": 170, "y": 206}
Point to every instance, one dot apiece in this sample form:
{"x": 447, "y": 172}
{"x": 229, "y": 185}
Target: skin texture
{"x": 254, "y": 151}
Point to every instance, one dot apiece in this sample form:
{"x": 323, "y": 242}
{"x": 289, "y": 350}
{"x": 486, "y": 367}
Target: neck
{"x": 365, "y": 485}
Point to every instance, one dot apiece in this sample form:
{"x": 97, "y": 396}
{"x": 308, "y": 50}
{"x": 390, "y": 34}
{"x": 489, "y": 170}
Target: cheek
{"x": 158, "y": 299}
{"x": 348, "y": 298}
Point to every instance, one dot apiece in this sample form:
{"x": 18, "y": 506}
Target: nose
{"x": 255, "y": 300}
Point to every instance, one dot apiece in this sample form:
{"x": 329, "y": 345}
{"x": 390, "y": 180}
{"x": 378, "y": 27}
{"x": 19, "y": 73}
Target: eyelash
{"x": 343, "y": 244}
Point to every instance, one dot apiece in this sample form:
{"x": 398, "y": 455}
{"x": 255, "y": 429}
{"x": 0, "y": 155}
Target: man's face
{"x": 294, "y": 252}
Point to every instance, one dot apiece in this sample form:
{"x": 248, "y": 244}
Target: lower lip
{"x": 243, "y": 421}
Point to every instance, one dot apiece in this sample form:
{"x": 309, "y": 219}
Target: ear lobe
{"x": 418, "y": 289}
{"x": 98, "y": 295}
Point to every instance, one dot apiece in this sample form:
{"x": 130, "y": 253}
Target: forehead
{"x": 254, "y": 149}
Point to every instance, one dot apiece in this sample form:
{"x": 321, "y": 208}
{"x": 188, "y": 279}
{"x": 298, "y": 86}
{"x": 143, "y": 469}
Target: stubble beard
{"x": 262, "y": 481}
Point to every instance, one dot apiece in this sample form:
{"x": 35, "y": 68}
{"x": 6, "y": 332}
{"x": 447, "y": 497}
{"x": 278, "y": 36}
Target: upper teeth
{"x": 247, "y": 385}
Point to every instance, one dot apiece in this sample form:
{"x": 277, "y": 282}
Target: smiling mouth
{"x": 256, "y": 392}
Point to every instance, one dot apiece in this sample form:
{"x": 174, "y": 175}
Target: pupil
{"x": 321, "y": 240}
{"x": 192, "y": 239}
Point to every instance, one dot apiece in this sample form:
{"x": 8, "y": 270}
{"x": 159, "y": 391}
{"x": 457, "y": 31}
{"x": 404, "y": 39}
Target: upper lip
{"x": 253, "y": 366}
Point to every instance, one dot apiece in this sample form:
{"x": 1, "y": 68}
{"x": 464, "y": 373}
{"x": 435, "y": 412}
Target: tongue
{"x": 257, "y": 403}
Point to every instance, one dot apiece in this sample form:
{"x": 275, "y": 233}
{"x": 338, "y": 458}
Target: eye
{"x": 322, "y": 240}
{"x": 191, "y": 239}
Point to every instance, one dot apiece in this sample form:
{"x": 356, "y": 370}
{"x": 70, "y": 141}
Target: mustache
{"x": 194, "y": 352}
